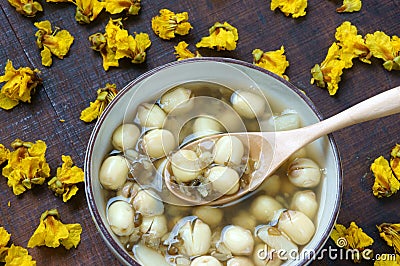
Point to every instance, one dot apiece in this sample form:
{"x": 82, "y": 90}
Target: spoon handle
{"x": 381, "y": 105}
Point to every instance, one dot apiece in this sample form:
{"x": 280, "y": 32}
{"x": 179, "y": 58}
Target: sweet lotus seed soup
{"x": 267, "y": 227}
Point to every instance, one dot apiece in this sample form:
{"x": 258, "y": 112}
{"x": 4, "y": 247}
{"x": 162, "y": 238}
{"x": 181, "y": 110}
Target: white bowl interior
{"x": 233, "y": 74}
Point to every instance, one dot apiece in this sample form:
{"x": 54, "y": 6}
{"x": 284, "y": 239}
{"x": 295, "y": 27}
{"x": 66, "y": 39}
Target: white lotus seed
{"x": 264, "y": 208}
{"x": 248, "y": 104}
{"x": 120, "y": 217}
{"x": 113, "y": 172}
{"x": 148, "y": 256}
{"x": 287, "y": 121}
{"x": 125, "y": 137}
{"x": 150, "y": 115}
{"x": 204, "y": 126}
{"x": 158, "y": 143}
{"x": 304, "y": 172}
{"x": 196, "y": 237}
{"x": 177, "y": 101}
{"x": 244, "y": 219}
{"x": 238, "y": 240}
{"x": 147, "y": 203}
{"x": 306, "y": 202}
{"x": 297, "y": 226}
{"x": 211, "y": 215}
{"x": 185, "y": 165}
{"x": 228, "y": 150}
{"x": 223, "y": 179}
{"x": 154, "y": 225}
{"x": 271, "y": 185}
{"x": 205, "y": 261}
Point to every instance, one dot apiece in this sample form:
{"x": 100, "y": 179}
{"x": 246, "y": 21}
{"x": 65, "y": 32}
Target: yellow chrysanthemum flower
{"x": 349, "y": 45}
{"x": 328, "y": 74}
{"x": 391, "y": 234}
{"x": 18, "y": 256}
{"x": 223, "y": 36}
{"x": 51, "y": 232}
{"x": 64, "y": 183}
{"x": 350, "y": 6}
{"x": 27, "y": 8}
{"x": 351, "y": 238}
{"x": 14, "y": 255}
{"x": 4, "y": 154}
{"x": 116, "y": 43}
{"x": 104, "y": 97}
{"x": 19, "y": 84}
{"x": 132, "y": 7}
{"x": 167, "y": 24}
{"x": 53, "y": 43}
{"x": 385, "y": 183}
{"x": 296, "y": 8}
{"x": 274, "y": 61}
{"x": 385, "y": 47}
{"x": 4, "y": 238}
{"x": 352, "y": 45}
{"x": 86, "y": 10}
{"x": 395, "y": 160}
{"x": 26, "y": 165}
{"x": 182, "y": 52}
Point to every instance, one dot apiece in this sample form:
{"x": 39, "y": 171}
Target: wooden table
{"x": 70, "y": 84}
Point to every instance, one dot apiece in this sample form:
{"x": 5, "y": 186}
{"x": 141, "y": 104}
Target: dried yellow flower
{"x": 296, "y": 8}
{"x": 330, "y": 71}
{"x": 182, "y": 52}
{"x": 19, "y": 84}
{"x": 116, "y": 43}
{"x": 395, "y": 160}
{"x": 4, "y": 238}
{"x": 51, "y": 232}
{"x": 56, "y": 43}
{"x": 167, "y": 24}
{"x": 26, "y": 165}
{"x": 27, "y": 8}
{"x": 14, "y": 255}
{"x": 86, "y": 10}
{"x": 351, "y": 238}
{"x": 274, "y": 61}
{"x": 223, "y": 36}
{"x": 385, "y": 184}
{"x": 4, "y": 154}
{"x": 104, "y": 97}
{"x": 391, "y": 234}
{"x": 18, "y": 256}
{"x": 385, "y": 47}
{"x": 64, "y": 183}
{"x": 350, "y": 6}
{"x": 349, "y": 45}
{"x": 132, "y": 7}
{"x": 352, "y": 45}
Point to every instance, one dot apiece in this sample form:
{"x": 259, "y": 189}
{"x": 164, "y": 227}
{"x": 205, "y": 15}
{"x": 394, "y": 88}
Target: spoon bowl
{"x": 269, "y": 150}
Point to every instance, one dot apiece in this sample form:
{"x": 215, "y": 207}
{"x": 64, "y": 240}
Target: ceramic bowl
{"x": 230, "y": 73}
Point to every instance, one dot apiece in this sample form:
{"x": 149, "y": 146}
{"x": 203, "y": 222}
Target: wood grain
{"x": 69, "y": 85}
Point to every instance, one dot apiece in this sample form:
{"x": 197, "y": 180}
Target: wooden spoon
{"x": 271, "y": 149}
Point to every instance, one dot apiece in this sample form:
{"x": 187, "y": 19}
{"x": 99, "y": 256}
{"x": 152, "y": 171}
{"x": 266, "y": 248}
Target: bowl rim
{"x": 115, "y": 248}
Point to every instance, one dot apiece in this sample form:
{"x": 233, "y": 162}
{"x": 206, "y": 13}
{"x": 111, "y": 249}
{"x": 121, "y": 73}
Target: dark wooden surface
{"x": 69, "y": 85}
